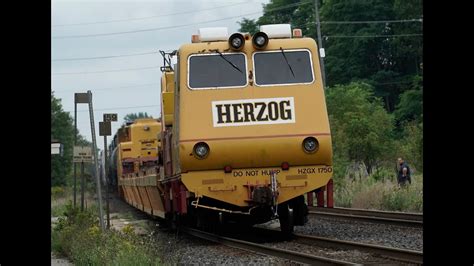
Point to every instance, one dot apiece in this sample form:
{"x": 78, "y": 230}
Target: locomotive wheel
{"x": 200, "y": 219}
{"x": 286, "y": 218}
{"x": 205, "y": 221}
{"x": 300, "y": 211}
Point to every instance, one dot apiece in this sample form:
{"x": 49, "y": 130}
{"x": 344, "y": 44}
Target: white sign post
{"x": 82, "y": 155}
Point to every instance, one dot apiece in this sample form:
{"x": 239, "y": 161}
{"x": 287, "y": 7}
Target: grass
{"x": 62, "y": 196}
{"x": 78, "y": 237}
{"x": 378, "y": 193}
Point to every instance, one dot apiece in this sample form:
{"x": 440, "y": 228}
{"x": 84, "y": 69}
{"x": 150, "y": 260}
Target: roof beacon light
{"x": 260, "y": 40}
{"x": 213, "y": 34}
{"x": 277, "y": 30}
{"x": 237, "y": 41}
{"x": 297, "y": 33}
{"x": 195, "y": 38}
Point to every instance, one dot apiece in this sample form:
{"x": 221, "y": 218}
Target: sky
{"x": 168, "y": 24}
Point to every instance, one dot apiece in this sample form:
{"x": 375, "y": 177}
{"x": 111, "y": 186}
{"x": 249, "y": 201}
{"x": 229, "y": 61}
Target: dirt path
{"x": 59, "y": 262}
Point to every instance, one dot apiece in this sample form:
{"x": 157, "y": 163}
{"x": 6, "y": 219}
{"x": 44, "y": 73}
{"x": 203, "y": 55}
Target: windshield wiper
{"x": 291, "y": 69}
{"x": 232, "y": 64}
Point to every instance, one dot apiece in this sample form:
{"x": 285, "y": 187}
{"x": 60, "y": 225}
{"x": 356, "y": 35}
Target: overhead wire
{"x": 118, "y": 108}
{"x": 102, "y": 57}
{"x": 112, "y": 88}
{"x": 176, "y": 26}
{"x": 104, "y": 71}
{"x": 149, "y": 17}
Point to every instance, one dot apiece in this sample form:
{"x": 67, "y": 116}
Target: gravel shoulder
{"x": 182, "y": 249}
{"x": 372, "y": 233}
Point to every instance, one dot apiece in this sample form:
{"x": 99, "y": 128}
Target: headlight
{"x": 310, "y": 144}
{"x": 236, "y": 41}
{"x": 201, "y": 150}
{"x": 260, "y": 40}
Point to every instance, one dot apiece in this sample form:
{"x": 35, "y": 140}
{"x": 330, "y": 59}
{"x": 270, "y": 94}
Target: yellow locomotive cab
{"x": 244, "y": 131}
{"x": 253, "y": 126}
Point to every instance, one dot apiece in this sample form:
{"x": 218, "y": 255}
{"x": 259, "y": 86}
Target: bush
{"x": 381, "y": 174}
{"x": 405, "y": 199}
{"x": 59, "y": 209}
{"x": 362, "y": 130}
{"x": 411, "y": 145}
{"x": 379, "y": 192}
{"x": 57, "y": 192}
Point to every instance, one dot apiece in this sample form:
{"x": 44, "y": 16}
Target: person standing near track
{"x": 404, "y": 173}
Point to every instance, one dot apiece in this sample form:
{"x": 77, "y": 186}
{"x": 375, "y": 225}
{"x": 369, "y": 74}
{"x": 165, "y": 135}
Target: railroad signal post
{"x": 110, "y": 118}
{"x": 105, "y": 129}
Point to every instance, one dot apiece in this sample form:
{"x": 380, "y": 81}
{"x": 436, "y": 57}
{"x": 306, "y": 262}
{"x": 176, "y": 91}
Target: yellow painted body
{"x": 253, "y": 146}
{"x": 126, "y": 150}
{"x": 139, "y": 143}
{"x": 144, "y": 142}
{"x": 167, "y": 97}
{"x": 232, "y": 187}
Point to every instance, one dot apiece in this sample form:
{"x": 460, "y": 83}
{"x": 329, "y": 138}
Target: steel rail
{"x": 266, "y": 250}
{"x": 396, "y": 218}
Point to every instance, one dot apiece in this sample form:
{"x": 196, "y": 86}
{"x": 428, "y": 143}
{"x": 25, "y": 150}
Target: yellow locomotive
{"x": 245, "y": 131}
{"x": 134, "y": 153}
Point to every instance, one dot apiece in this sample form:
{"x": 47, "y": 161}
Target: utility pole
{"x": 96, "y": 162}
{"x": 75, "y": 143}
{"x": 322, "y": 53}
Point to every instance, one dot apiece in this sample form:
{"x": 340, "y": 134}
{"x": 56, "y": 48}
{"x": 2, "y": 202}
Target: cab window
{"x": 217, "y": 71}
{"x": 283, "y": 67}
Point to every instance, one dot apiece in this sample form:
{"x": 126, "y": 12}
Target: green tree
{"x": 411, "y": 144}
{"x": 62, "y": 129}
{"x": 351, "y": 58}
{"x": 362, "y": 128}
{"x": 248, "y": 25}
{"x": 410, "y": 106}
{"x": 278, "y": 11}
{"x": 300, "y": 14}
{"x": 408, "y": 51}
{"x": 390, "y": 63}
{"x": 355, "y": 51}
{"x": 133, "y": 116}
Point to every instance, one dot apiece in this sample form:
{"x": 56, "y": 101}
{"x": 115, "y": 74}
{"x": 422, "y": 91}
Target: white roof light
{"x": 277, "y": 30}
{"x": 213, "y": 34}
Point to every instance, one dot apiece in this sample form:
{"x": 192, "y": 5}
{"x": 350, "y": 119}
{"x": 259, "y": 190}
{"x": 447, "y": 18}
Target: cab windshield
{"x": 282, "y": 67}
{"x": 219, "y": 70}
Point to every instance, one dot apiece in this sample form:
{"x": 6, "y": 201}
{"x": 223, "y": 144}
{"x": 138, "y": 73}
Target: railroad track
{"x": 396, "y": 218}
{"x": 404, "y": 255}
{"x": 264, "y": 249}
